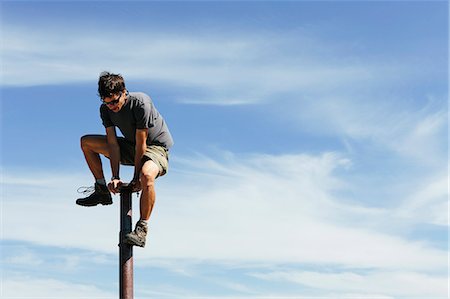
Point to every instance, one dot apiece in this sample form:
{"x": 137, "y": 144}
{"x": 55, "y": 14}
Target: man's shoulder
{"x": 103, "y": 109}
{"x": 140, "y": 97}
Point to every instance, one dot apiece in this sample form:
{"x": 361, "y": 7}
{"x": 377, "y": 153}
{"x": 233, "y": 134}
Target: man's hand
{"x": 114, "y": 186}
{"x": 135, "y": 185}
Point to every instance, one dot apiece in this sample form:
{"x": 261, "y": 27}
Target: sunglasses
{"x": 114, "y": 102}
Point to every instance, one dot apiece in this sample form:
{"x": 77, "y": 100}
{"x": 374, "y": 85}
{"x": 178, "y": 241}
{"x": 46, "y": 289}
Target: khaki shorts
{"x": 158, "y": 154}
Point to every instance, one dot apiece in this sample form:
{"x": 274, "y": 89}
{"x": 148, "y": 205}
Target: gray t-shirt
{"x": 138, "y": 112}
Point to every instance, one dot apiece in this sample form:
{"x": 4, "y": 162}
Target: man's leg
{"x": 149, "y": 172}
{"x": 93, "y": 146}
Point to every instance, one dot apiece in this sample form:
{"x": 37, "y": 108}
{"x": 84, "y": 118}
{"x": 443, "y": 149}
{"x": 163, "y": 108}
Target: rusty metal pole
{"x": 125, "y": 250}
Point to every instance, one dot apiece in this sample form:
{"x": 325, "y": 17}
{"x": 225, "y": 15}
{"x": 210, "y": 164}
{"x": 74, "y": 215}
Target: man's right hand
{"x": 114, "y": 186}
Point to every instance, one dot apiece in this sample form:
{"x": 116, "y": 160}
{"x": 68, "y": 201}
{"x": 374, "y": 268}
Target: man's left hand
{"x": 114, "y": 186}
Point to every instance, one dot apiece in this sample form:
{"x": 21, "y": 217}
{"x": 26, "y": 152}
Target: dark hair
{"x": 109, "y": 84}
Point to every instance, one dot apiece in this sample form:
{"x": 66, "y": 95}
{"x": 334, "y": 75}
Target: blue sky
{"x": 310, "y": 157}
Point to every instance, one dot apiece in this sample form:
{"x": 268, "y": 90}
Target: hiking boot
{"x": 100, "y": 195}
{"x": 137, "y": 237}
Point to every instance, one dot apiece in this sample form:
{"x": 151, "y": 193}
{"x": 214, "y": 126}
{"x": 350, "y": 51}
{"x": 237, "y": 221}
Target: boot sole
{"x": 132, "y": 242}
{"x": 95, "y": 204}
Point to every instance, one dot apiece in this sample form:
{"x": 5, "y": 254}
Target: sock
{"x": 144, "y": 221}
{"x": 101, "y": 181}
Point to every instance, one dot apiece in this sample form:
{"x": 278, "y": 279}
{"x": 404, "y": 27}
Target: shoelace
{"x": 86, "y": 190}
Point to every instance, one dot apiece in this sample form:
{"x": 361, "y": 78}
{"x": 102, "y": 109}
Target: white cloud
{"x": 428, "y": 202}
{"x": 257, "y": 208}
{"x": 414, "y": 132}
{"x": 316, "y": 86}
{"x": 23, "y": 257}
{"x": 242, "y": 210}
{"x": 29, "y": 287}
{"x": 228, "y": 70}
{"x": 401, "y": 284}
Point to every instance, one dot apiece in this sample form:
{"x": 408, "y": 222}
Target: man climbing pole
{"x": 145, "y": 145}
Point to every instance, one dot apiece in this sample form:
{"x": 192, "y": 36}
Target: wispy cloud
{"x": 224, "y": 69}
{"x": 30, "y": 287}
{"x": 254, "y": 208}
{"x": 397, "y": 284}
{"x": 316, "y": 85}
{"x": 413, "y": 129}
{"x": 23, "y": 257}
{"x": 428, "y": 202}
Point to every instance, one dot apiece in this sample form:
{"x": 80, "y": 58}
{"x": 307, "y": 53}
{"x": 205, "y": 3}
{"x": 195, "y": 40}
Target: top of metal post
{"x": 125, "y": 188}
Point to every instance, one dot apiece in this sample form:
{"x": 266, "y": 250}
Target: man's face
{"x": 115, "y": 102}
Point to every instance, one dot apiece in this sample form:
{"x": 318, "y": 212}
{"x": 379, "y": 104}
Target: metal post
{"x": 125, "y": 250}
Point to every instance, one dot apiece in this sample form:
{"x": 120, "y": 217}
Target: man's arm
{"x": 141, "y": 146}
{"x": 114, "y": 158}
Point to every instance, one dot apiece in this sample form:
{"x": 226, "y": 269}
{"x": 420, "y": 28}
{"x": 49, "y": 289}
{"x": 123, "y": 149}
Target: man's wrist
{"x": 115, "y": 177}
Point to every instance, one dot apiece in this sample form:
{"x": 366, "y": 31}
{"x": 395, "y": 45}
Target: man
{"x": 145, "y": 145}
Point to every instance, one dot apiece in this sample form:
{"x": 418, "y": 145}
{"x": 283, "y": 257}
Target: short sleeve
{"x": 106, "y": 120}
{"x": 142, "y": 114}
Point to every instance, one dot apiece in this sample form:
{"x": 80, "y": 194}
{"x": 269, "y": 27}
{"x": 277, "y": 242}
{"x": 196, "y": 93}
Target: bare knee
{"x": 85, "y": 142}
{"x": 149, "y": 172}
{"x": 147, "y": 179}
{"x": 89, "y": 142}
